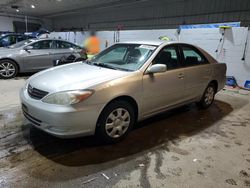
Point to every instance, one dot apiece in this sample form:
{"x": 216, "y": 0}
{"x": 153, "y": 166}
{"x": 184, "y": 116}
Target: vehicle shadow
{"x": 23, "y": 76}
{"x": 151, "y": 133}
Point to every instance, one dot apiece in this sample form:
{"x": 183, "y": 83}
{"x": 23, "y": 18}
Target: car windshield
{"x": 22, "y": 43}
{"x": 127, "y": 57}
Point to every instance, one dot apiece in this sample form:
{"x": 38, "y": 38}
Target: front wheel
{"x": 208, "y": 97}
{"x": 8, "y": 69}
{"x": 115, "y": 121}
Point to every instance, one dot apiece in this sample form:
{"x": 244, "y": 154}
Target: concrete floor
{"x": 185, "y": 147}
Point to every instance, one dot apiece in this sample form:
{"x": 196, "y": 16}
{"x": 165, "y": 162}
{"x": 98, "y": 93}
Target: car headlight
{"x": 68, "y": 97}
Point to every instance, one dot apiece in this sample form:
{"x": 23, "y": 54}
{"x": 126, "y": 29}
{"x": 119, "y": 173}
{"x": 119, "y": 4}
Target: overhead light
{"x": 17, "y": 10}
{"x": 32, "y": 6}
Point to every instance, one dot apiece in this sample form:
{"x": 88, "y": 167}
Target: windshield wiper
{"x": 104, "y": 65}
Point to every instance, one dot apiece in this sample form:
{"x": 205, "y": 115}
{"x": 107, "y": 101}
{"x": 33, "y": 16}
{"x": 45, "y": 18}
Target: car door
{"x": 162, "y": 90}
{"x": 197, "y": 71}
{"x": 63, "y": 48}
{"x": 38, "y": 57}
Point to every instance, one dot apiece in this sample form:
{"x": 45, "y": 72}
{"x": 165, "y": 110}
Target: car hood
{"x": 73, "y": 76}
{"x": 5, "y": 52}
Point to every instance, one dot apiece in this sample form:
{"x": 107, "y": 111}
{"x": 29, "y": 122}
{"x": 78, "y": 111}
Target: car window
{"x": 22, "y": 43}
{"x": 65, "y": 45}
{"x": 44, "y": 44}
{"x": 9, "y": 40}
{"x": 62, "y": 45}
{"x": 12, "y": 39}
{"x": 129, "y": 57}
{"x": 20, "y": 38}
{"x": 6, "y": 39}
{"x": 168, "y": 56}
{"x": 114, "y": 55}
{"x": 76, "y": 47}
{"x": 192, "y": 56}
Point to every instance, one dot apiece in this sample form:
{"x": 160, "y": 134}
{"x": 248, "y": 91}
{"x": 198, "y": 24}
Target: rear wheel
{"x": 115, "y": 121}
{"x": 8, "y": 69}
{"x": 208, "y": 97}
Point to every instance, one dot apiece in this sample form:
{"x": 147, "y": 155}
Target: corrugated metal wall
{"x": 155, "y": 14}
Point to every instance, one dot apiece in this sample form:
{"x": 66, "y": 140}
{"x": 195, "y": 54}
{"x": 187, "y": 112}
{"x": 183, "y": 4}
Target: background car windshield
{"x": 22, "y": 43}
{"x": 125, "y": 56}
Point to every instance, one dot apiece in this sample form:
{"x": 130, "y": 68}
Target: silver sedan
{"x": 34, "y": 55}
{"x": 125, "y": 83}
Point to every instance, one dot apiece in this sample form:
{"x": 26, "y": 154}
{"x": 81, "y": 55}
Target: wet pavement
{"x": 185, "y": 147}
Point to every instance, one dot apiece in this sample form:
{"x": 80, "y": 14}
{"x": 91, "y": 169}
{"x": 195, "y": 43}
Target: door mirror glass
{"x": 157, "y": 68}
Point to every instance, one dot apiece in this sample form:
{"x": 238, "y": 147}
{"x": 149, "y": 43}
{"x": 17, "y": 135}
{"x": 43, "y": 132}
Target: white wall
{"x": 132, "y": 35}
{"x": 74, "y": 37}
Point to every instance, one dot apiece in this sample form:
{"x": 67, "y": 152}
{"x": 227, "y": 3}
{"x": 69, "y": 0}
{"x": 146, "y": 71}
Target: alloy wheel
{"x": 7, "y": 69}
{"x": 209, "y": 95}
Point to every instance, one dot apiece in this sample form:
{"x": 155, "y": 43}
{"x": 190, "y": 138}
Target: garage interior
{"x": 182, "y": 147}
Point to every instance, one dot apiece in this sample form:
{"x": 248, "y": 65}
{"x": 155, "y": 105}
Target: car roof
{"x": 146, "y": 42}
{"x": 153, "y": 42}
{"x": 41, "y": 39}
{"x": 8, "y": 34}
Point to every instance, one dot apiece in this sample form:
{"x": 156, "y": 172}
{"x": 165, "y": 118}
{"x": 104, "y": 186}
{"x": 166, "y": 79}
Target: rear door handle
{"x": 181, "y": 76}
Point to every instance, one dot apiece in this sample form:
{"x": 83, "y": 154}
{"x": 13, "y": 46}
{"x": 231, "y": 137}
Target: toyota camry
{"x": 123, "y": 84}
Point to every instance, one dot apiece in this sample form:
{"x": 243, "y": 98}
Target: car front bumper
{"x": 58, "y": 120}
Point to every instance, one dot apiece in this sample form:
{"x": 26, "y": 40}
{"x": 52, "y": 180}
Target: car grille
{"x": 36, "y": 93}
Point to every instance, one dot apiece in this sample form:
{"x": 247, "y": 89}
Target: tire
{"x": 115, "y": 121}
{"x": 208, "y": 97}
{"x": 8, "y": 69}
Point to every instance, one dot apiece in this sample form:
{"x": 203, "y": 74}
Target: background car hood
{"x": 73, "y": 76}
{"x": 4, "y": 50}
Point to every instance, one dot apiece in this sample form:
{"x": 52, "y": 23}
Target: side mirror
{"x": 27, "y": 48}
{"x": 157, "y": 68}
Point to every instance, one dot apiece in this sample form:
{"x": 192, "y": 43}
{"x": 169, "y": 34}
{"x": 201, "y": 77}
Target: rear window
{"x": 192, "y": 56}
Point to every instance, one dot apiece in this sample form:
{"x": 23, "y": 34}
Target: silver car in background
{"x": 33, "y": 55}
{"x": 123, "y": 84}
